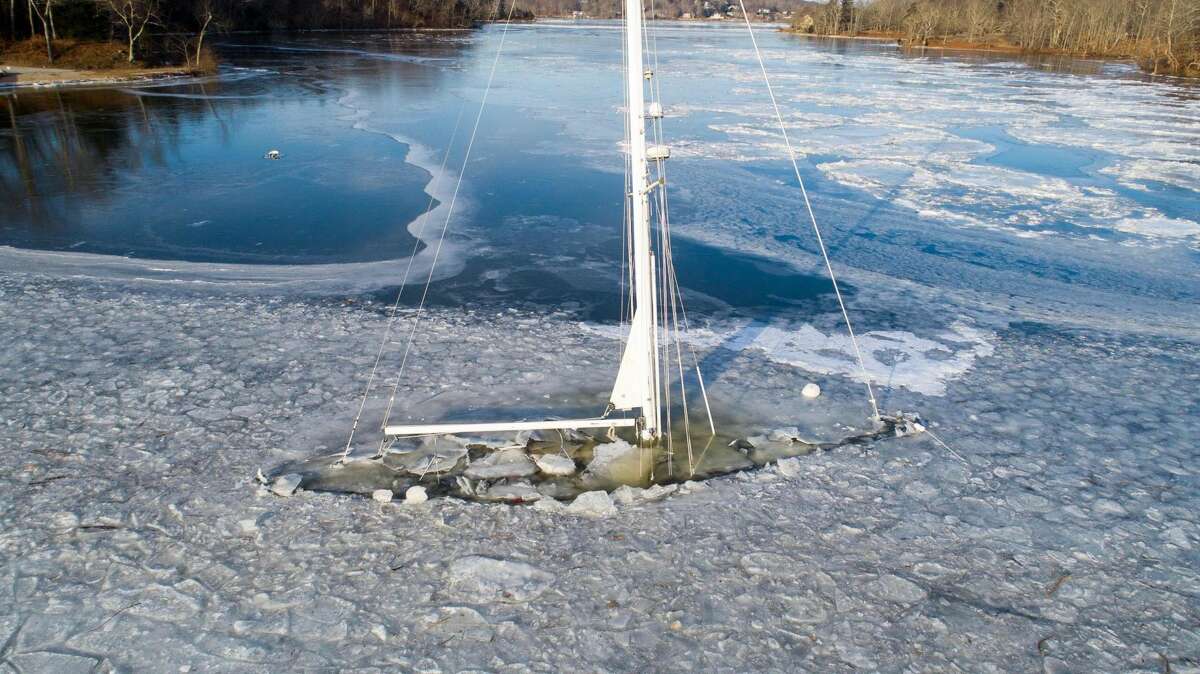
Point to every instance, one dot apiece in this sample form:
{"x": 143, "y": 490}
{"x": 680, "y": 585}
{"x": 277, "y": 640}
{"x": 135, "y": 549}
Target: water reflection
{"x": 176, "y": 170}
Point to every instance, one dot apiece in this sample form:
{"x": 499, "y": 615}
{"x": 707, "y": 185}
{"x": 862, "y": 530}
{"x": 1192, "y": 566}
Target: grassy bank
{"x": 1163, "y": 36}
{"x": 96, "y": 58}
{"x": 1128, "y": 51}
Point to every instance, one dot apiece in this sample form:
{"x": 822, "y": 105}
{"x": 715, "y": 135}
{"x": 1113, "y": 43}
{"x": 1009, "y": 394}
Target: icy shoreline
{"x": 134, "y": 419}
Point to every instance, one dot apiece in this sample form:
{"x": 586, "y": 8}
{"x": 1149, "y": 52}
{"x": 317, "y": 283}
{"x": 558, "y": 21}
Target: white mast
{"x": 637, "y": 381}
{"x": 637, "y": 385}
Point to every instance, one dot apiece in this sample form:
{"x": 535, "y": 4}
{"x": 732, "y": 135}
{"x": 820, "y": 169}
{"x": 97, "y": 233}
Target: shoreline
{"x": 22, "y": 77}
{"x": 951, "y": 44}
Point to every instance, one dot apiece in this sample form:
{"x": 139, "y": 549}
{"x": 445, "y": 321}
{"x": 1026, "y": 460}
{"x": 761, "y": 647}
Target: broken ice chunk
{"x": 517, "y": 492}
{"x": 592, "y": 504}
{"x": 547, "y": 504}
{"x": 625, "y": 495}
{"x": 286, "y": 485}
{"x": 788, "y": 468}
{"x": 616, "y": 461}
{"x": 457, "y": 622}
{"x": 486, "y": 579}
{"x": 657, "y": 492}
{"x": 502, "y": 464}
{"x": 897, "y": 589}
{"x": 555, "y": 464}
{"x": 430, "y": 459}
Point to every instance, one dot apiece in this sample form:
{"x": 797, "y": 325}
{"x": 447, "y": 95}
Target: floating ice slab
{"x": 555, "y": 464}
{"x": 592, "y": 504}
{"x": 486, "y": 580}
{"x": 504, "y": 463}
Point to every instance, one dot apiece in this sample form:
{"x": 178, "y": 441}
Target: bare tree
{"x": 44, "y": 9}
{"x": 980, "y": 18}
{"x": 1178, "y": 24}
{"x": 206, "y": 17}
{"x": 921, "y": 22}
{"x": 828, "y": 18}
{"x": 803, "y": 23}
{"x": 134, "y": 15}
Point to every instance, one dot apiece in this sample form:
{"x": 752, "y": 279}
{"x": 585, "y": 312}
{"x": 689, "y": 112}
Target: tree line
{"x": 1163, "y": 35}
{"x": 175, "y": 30}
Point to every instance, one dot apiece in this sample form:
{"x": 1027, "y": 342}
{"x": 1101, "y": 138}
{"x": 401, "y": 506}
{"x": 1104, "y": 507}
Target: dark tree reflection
{"x": 176, "y": 169}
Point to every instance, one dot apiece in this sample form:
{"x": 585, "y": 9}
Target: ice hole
{"x": 562, "y": 465}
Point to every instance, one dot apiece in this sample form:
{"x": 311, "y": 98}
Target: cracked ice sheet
{"x": 1141, "y": 173}
{"x": 130, "y": 518}
{"x": 1023, "y": 203}
{"x": 871, "y": 116}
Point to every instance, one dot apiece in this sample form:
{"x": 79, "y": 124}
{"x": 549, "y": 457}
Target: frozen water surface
{"x": 1022, "y": 268}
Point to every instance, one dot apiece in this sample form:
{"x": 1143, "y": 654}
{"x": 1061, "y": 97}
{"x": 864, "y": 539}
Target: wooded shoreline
{"x": 156, "y": 33}
{"x": 115, "y": 36}
{"x": 952, "y": 44}
{"x": 1162, "y": 36}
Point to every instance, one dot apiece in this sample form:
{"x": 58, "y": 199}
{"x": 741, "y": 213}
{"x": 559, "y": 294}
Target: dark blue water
{"x": 183, "y": 177}
{"x": 1060, "y": 162}
{"x": 364, "y": 120}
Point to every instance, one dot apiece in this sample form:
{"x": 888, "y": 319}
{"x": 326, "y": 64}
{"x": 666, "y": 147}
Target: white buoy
{"x": 272, "y": 154}
{"x": 415, "y": 495}
{"x": 810, "y": 390}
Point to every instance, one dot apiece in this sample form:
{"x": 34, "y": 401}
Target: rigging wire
{"x": 671, "y": 288}
{"x": 812, "y": 216}
{"x": 453, "y": 201}
{"x": 421, "y": 223}
{"x": 445, "y": 225}
{"x": 650, "y": 46}
{"x": 658, "y": 131}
